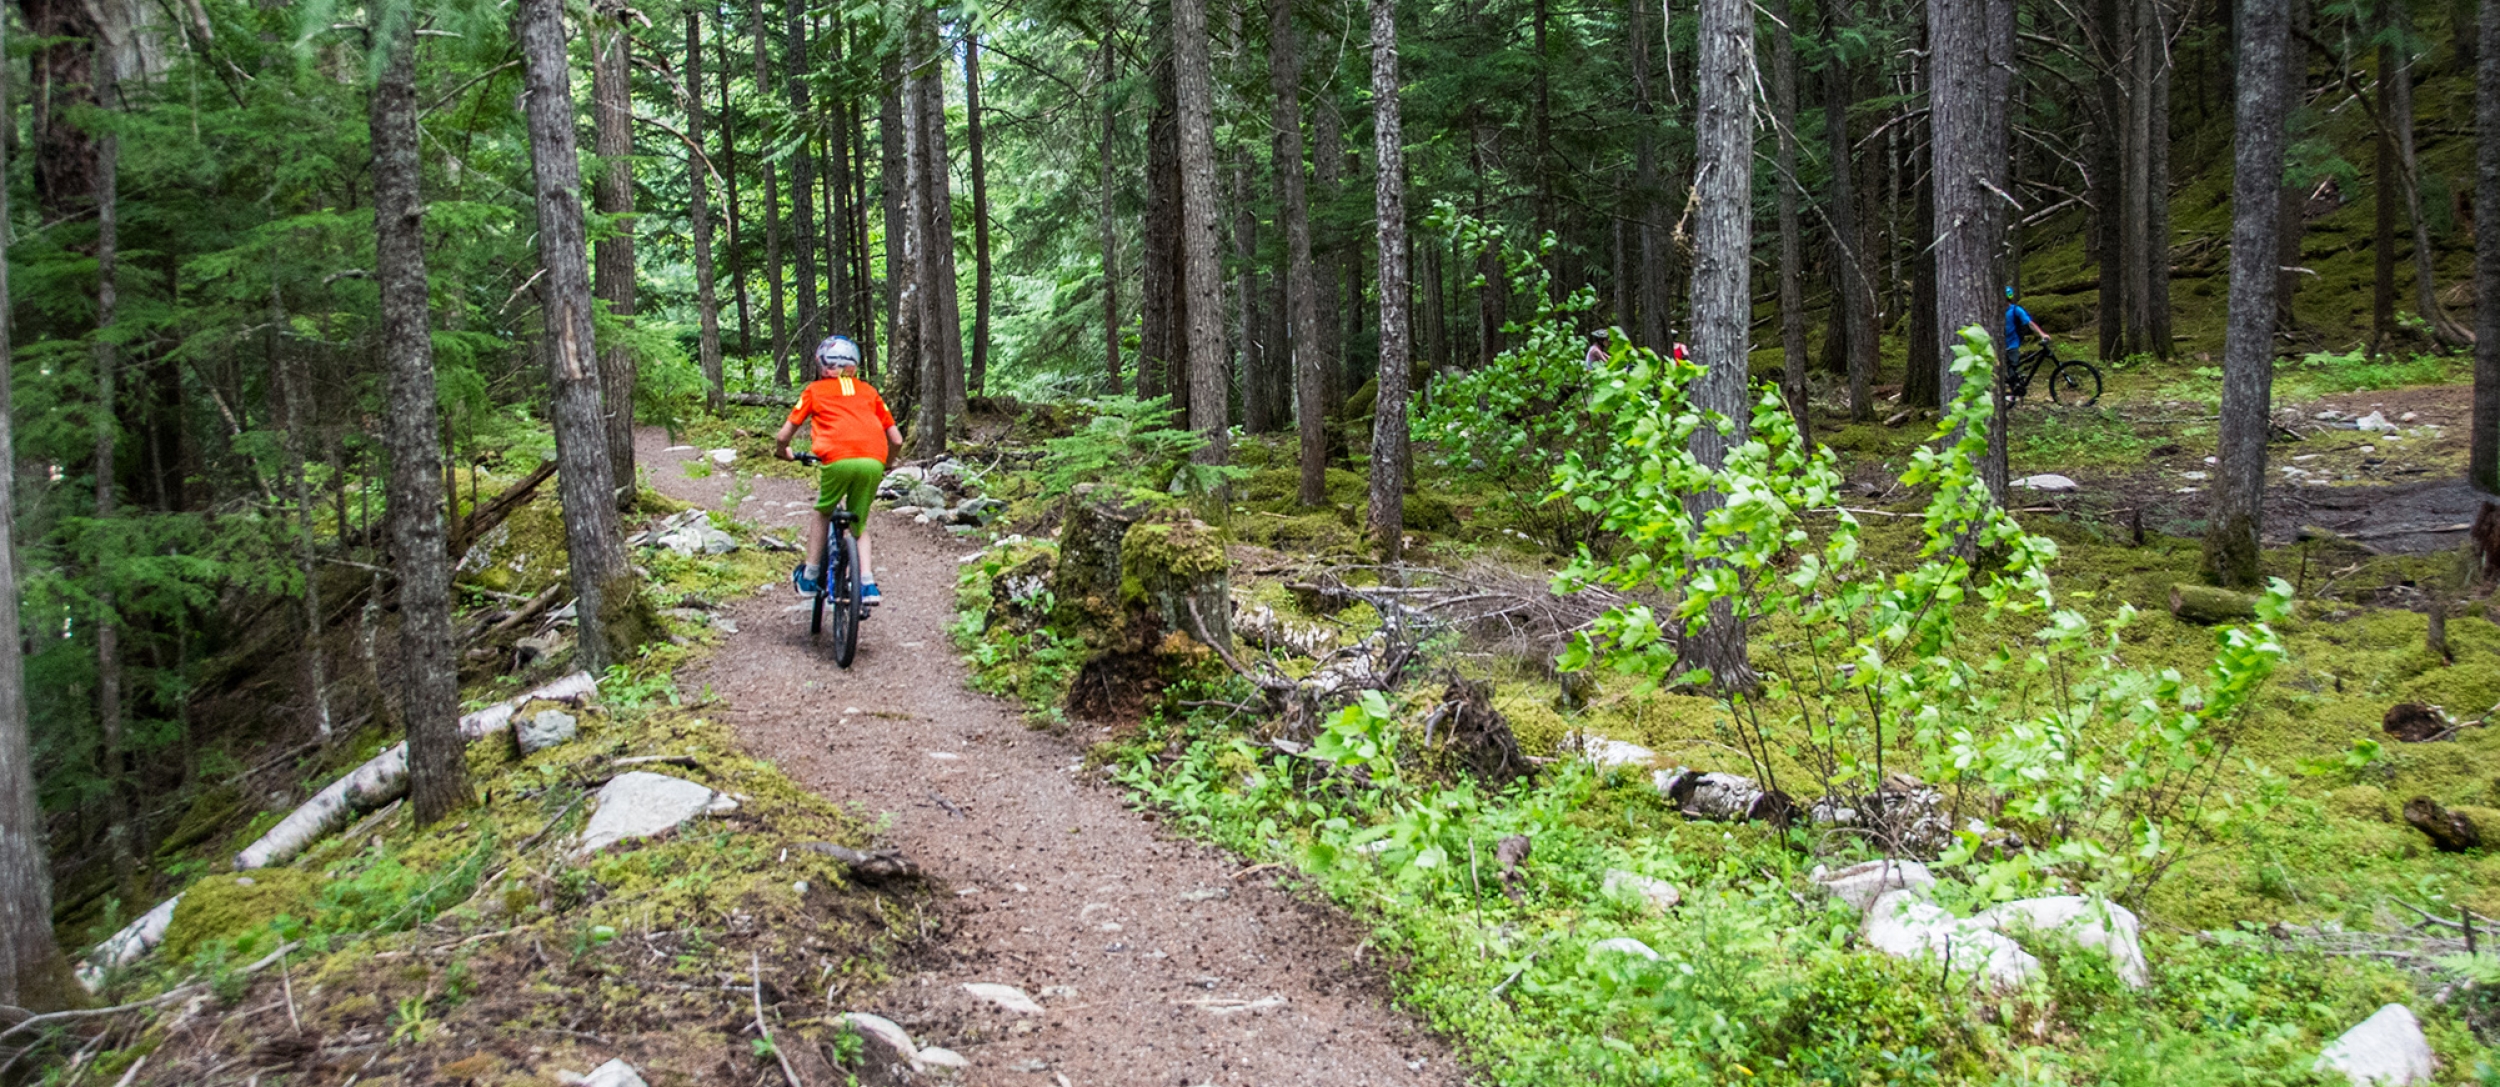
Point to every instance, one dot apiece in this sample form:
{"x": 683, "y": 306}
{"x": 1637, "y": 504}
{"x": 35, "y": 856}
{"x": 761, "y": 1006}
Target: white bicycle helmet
{"x": 837, "y": 351}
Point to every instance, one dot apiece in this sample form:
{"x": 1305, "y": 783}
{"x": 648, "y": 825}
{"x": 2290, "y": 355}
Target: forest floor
{"x": 1156, "y": 960}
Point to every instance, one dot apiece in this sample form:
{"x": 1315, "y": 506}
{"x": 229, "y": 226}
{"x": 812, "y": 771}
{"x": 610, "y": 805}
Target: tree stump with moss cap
{"x": 1141, "y": 587}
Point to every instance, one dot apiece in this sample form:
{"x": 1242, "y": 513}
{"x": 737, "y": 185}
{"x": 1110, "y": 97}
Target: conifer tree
{"x": 2231, "y": 540}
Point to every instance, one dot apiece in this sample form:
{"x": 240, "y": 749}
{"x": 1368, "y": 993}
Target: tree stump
{"x": 2449, "y": 831}
{"x": 1085, "y": 580}
{"x": 1142, "y": 589}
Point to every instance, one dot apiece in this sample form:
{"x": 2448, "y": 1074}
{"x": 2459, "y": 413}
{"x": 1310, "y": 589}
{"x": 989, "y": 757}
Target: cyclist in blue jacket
{"x": 2016, "y": 320}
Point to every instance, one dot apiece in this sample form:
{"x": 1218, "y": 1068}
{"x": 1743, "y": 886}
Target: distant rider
{"x": 852, "y": 434}
{"x": 2016, "y": 320}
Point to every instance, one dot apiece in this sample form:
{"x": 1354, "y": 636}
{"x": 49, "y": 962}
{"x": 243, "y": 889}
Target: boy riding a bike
{"x": 851, "y": 433}
{"x": 2016, "y": 320}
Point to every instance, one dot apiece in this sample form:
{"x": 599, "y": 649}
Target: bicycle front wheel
{"x": 2075, "y": 384}
{"x": 846, "y": 608}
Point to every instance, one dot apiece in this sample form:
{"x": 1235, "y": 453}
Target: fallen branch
{"x": 761, "y": 1027}
{"x": 486, "y": 515}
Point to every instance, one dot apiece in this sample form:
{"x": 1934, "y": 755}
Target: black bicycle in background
{"x": 2073, "y": 383}
{"x": 840, "y": 584}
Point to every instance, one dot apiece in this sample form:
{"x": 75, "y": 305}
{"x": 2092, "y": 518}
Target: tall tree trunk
{"x": 1792, "y": 300}
{"x": 1968, "y": 149}
{"x": 1651, "y": 298}
{"x": 772, "y": 208}
{"x": 729, "y": 185}
{"x": 902, "y": 318}
{"x": 810, "y": 326}
{"x": 2157, "y": 191}
{"x": 612, "y": 113}
{"x": 1109, "y": 74}
{"x": 1193, "y": 83}
{"x": 292, "y": 394}
{"x": 1329, "y": 252}
{"x": 1541, "y": 120}
{"x": 119, "y": 836}
{"x": 980, "y": 216}
{"x": 2135, "y": 258}
{"x": 64, "y": 69}
{"x": 2231, "y": 537}
{"x": 1293, "y": 208}
{"x": 2383, "y": 198}
{"x": 604, "y": 587}
{"x": 942, "y": 335}
{"x": 865, "y": 292}
{"x": 2292, "y": 222}
{"x": 33, "y": 972}
{"x": 429, "y": 673}
{"x": 698, "y": 186}
{"x": 1259, "y": 415}
{"x": 1386, "y": 519}
{"x": 2109, "y": 169}
{"x": 1722, "y": 299}
{"x": 1159, "y": 334}
{"x": 2444, "y": 329}
{"x": 1996, "y": 140}
{"x": 1855, "y": 313}
{"x": 2483, "y": 456}
{"x": 1922, "y": 371}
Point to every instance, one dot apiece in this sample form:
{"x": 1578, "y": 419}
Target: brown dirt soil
{"x": 1157, "y": 961}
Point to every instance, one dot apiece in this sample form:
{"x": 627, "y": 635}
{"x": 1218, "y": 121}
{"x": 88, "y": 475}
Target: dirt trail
{"x": 1155, "y": 964}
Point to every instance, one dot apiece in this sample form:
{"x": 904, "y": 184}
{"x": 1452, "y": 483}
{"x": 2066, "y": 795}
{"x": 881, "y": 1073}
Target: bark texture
{"x": 2483, "y": 456}
{"x": 429, "y": 673}
{"x": 1301, "y": 298}
{"x": 810, "y": 326}
{"x": 699, "y": 189}
{"x": 1968, "y": 150}
{"x": 1193, "y": 82}
{"x": 1792, "y": 300}
{"x": 1387, "y": 517}
{"x": 772, "y": 210}
{"x": 1722, "y": 287}
{"x": 2248, "y": 341}
{"x": 1110, "y": 230}
{"x": 604, "y": 587}
{"x": 612, "y": 114}
{"x": 980, "y": 216}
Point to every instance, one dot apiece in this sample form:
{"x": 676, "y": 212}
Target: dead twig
{"x": 765, "y": 1029}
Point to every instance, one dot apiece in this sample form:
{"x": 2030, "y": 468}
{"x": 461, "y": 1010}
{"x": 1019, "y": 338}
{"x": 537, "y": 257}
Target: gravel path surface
{"x": 1155, "y": 960}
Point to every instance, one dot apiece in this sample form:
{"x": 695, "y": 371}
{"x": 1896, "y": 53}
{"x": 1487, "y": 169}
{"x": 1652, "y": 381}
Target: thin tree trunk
{"x": 2134, "y": 251}
{"x": 428, "y": 673}
{"x": 2444, "y": 329}
{"x": 118, "y": 834}
{"x": 980, "y": 216}
{"x": 1328, "y": 253}
{"x": 2483, "y": 456}
{"x": 1651, "y": 298}
{"x": 33, "y": 973}
{"x": 1302, "y": 335}
{"x": 810, "y": 326}
{"x": 729, "y": 185}
{"x": 707, "y": 302}
{"x": 1193, "y": 83}
{"x": 1968, "y": 149}
{"x": 902, "y": 320}
{"x": 1855, "y": 313}
{"x": 612, "y": 111}
{"x": 772, "y": 208}
{"x": 1386, "y": 519}
{"x": 1159, "y": 333}
{"x": 1792, "y": 301}
{"x": 1722, "y": 299}
{"x": 2383, "y": 185}
{"x": 1922, "y": 375}
{"x": 942, "y": 328}
{"x": 2231, "y": 538}
{"x": 865, "y": 292}
{"x": 298, "y": 430}
{"x": 2157, "y": 193}
{"x": 2292, "y": 222}
{"x": 1258, "y": 415}
{"x": 1111, "y": 323}
{"x": 604, "y": 588}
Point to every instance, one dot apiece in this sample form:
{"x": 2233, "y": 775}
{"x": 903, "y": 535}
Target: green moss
{"x": 228, "y": 906}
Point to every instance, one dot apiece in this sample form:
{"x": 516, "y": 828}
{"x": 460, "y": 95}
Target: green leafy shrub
{"x": 1131, "y": 444}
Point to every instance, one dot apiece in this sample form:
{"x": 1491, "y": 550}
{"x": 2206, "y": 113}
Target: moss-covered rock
{"x": 2365, "y": 802}
{"x": 227, "y": 906}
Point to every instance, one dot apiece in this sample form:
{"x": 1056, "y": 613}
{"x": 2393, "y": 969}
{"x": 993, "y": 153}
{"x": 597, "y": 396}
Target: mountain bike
{"x": 839, "y": 586}
{"x": 2073, "y": 383}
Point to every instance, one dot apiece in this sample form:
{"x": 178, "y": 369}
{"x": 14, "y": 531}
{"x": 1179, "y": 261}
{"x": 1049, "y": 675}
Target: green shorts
{"x": 849, "y": 483}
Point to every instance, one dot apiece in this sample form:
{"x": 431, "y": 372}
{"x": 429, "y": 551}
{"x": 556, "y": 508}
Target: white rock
{"x": 2409, "y": 416}
{"x": 2194, "y": 475}
{"x": 679, "y": 449}
{"x": 2092, "y": 922}
{"x": 2386, "y": 1050}
{"x": 2376, "y": 421}
{"x": 1008, "y": 998}
{"x": 615, "y": 1073}
{"x": 639, "y": 804}
{"x": 1624, "y": 945}
{"x": 1905, "y": 925}
{"x": 1860, "y": 885}
{"x": 724, "y": 457}
{"x": 2048, "y": 481}
{"x": 1659, "y": 895}
{"x": 942, "y": 1063}
{"x": 545, "y": 729}
{"x": 886, "y": 1047}
{"x": 911, "y": 472}
{"x": 1605, "y": 752}
{"x": 2330, "y": 415}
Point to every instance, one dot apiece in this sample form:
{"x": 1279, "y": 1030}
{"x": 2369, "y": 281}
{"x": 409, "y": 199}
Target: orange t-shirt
{"x": 845, "y": 419}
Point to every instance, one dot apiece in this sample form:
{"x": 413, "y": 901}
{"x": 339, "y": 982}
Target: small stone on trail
{"x": 543, "y": 730}
{"x": 1624, "y": 945}
{"x": 886, "y": 1047}
{"x": 2048, "y": 481}
{"x": 2385, "y": 1050}
{"x": 867, "y": 867}
{"x": 1008, "y": 998}
{"x": 1202, "y": 894}
{"x": 1657, "y": 894}
{"x": 944, "y": 756}
{"x": 615, "y": 1073}
{"x": 2409, "y": 416}
{"x": 640, "y": 804}
{"x": 1058, "y": 992}
{"x": 724, "y": 457}
{"x": 2376, "y": 422}
{"x": 1029, "y": 1066}
{"x": 938, "y": 1061}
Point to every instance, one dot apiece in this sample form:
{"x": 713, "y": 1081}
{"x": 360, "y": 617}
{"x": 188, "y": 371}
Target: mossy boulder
{"x": 2364, "y": 802}
{"x": 227, "y": 906}
{"x": 1427, "y": 512}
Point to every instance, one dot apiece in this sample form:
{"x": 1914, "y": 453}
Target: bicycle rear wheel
{"x": 845, "y": 587}
{"x": 2075, "y": 384}
{"x": 816, "y": 618}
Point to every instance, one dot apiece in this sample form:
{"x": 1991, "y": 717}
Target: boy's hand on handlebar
{"x": 783, "y": 453}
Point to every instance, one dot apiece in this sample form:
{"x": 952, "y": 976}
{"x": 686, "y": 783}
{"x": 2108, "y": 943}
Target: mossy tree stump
{"x": 1143, "y": 588}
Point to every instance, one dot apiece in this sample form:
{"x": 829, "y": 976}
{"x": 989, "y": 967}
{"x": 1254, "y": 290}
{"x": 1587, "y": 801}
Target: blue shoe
{"x": 869, "y": 595}
{"x": 801, "y": 583}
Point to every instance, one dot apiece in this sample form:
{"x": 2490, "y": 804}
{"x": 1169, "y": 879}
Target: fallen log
{"x": 2209, "y": 606}
{"x": 493, "y": 511}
